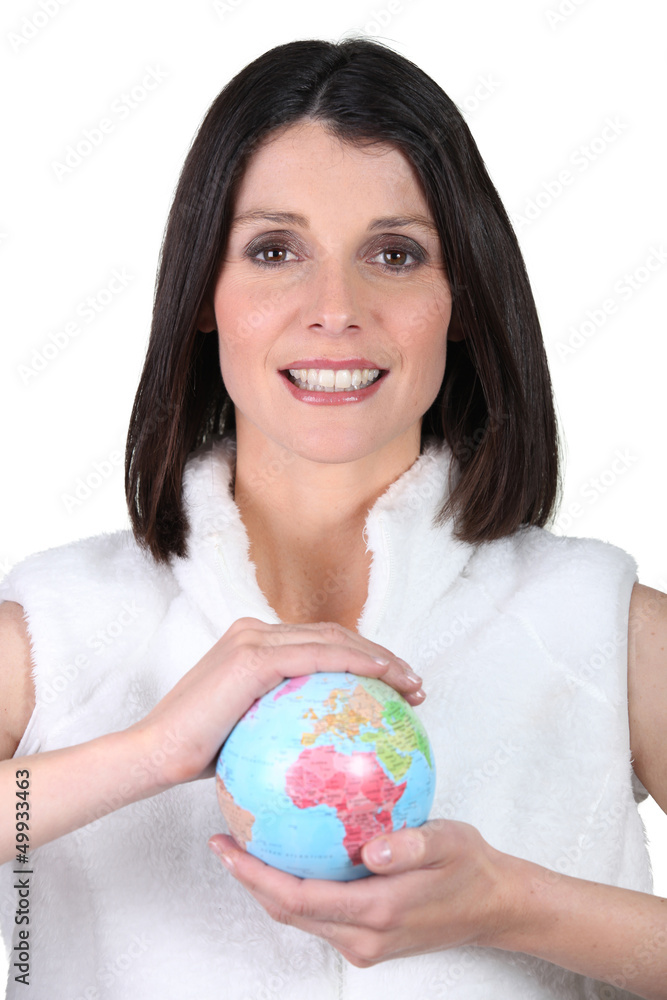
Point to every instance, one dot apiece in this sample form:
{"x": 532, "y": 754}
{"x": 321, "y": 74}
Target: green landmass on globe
{"x": 320, "y": 765}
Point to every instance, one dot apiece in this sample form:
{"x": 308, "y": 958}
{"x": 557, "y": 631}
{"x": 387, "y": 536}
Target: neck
{"x": 305, "y": 520}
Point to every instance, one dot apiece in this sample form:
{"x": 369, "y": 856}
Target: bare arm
{"x": 614, "y": 934}
{"x": 179, "y": 739}
{"x": 17, "y": 695}
{"x": 647, "y": 689}
{"x": 67, "y": 788}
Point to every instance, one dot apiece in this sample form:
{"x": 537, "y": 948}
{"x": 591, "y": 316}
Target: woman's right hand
{"x": 251, "y": 658}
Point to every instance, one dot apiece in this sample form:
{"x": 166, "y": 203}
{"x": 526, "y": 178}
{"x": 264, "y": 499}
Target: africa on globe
{"x": 320, "y": 765}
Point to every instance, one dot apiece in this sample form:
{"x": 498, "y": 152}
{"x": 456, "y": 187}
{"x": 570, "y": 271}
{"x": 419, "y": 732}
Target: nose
{"x": 334, "y": 297}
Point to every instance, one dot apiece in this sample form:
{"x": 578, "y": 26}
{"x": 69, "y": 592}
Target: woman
{"x": 342, "y": 456}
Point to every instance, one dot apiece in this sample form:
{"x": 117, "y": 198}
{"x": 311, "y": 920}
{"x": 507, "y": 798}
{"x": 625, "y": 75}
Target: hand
{"x": 251, "y": 658}
{"x": 443, "y": 886}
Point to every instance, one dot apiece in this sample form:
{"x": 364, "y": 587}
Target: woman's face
{"x": 332, "y": 269}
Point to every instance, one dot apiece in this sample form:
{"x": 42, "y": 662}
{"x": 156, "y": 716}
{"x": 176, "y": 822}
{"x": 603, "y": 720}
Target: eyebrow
{"x": 295, "y": 219}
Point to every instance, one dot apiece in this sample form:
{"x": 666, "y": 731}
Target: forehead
{"x": 305, "y": 160}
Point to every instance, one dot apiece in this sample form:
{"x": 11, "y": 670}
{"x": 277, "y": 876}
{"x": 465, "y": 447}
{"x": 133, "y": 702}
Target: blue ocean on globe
{"x": 320, "y": 765}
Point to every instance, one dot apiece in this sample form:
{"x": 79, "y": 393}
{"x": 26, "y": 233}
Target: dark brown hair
{"x": 495, "y": 406}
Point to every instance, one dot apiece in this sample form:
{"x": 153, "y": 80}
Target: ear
{"x": 206, "y": 316}
{"x": 454, "y": 330}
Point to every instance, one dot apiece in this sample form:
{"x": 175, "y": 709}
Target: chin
{"x": 338, "y": 446}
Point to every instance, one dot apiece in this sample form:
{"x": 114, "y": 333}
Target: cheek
{"x": 247, "y": 318}
{"x": 421, "y": 337}
{"x": 419, "y": 319}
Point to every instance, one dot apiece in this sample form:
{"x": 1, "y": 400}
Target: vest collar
{"x": 410, "y": 554}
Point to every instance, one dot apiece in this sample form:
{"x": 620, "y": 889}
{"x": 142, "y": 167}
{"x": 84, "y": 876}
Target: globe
{"x": 320, "y": 765}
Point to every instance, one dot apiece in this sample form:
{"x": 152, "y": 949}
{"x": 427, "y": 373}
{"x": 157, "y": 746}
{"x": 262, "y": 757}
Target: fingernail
{"x": 379, "y": 853}
{"x": 381, "y": 660}
{"x": 409, "y": 672}
{"x": 419, "y": 695}
{"x": 225, "y": 858}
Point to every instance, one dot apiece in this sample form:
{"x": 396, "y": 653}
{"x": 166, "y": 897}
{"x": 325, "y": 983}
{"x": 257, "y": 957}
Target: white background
{"x": 538, "y": 88}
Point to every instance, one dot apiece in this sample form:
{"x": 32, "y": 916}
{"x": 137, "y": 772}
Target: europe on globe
{"x": 320, "y": 765}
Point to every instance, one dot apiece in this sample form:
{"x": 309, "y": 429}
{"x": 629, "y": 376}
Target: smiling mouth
{"x": 333, "y": 380}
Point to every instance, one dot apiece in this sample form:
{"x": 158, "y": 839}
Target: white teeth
{"x": 330, "y": 380}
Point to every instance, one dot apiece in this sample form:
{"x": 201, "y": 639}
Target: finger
{"x": 283, "y": 633}
{"x": 326, "y": 632}
{"x": 431, "y": 845}
{"x": 312, "y": 654}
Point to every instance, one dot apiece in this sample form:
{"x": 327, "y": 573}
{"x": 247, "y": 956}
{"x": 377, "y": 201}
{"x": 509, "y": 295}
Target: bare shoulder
{"x": 647, "y": 688}
{"x": 17, "y": 694}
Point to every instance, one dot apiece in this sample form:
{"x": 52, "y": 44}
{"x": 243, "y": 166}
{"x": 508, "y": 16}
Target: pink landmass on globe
{"x": 353, "y": 784}
{"x": 252, "y": 711}
{"x": 292, "y": 685}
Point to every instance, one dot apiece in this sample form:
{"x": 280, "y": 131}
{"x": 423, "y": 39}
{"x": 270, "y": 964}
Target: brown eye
{"x": 395, "y": 259}
{"x": 395, "y": 256}
{"x": 269, "y": 253}
{"x": 273, "y": 253}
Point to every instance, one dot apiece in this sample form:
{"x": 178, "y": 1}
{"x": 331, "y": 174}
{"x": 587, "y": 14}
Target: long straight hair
{"x": 494, "y": 408}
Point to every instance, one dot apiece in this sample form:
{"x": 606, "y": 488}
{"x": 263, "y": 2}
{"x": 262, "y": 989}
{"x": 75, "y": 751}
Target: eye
{"x": 394, "y": 254}
{"x": 274, "y": 251}
{"x": 395, "y": 258}
{"x": 275, "y": 247}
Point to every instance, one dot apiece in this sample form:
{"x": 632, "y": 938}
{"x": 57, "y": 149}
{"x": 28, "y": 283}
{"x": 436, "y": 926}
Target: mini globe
{"x": 320, "y": 765}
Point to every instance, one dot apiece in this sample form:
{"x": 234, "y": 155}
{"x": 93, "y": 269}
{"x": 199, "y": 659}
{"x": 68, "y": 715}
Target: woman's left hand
{"x": 442, "y": 886}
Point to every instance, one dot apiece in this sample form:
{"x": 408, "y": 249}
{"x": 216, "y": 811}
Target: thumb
{"x": 407, "y": 849}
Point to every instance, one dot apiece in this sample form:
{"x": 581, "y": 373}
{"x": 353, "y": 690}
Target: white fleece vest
{"x": 522, "y": 644}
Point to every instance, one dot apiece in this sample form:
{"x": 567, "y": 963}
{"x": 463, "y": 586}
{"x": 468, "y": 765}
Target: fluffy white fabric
{"x": 522, "y": 644}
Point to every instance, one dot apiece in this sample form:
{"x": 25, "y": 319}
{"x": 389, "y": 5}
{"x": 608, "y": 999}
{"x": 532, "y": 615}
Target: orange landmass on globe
{"x": 358, "y": 709}
{"x": 240, "y": 821}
